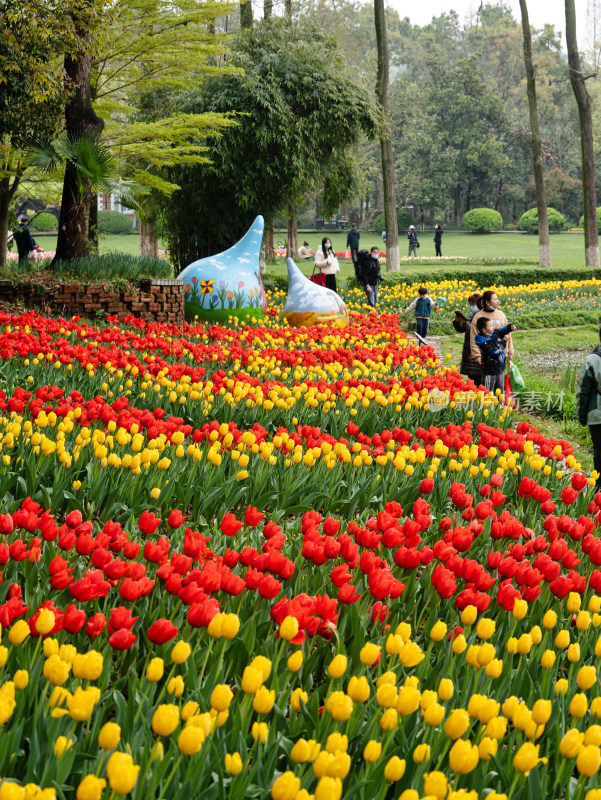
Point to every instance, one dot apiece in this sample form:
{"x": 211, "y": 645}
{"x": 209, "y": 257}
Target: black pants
{"x": 354, "y": 253}
{"x": 596, "y": 439}
{"x": 438, "y": 250}
{"x": 331, "y": 282}
{"x": 422, "y": 325}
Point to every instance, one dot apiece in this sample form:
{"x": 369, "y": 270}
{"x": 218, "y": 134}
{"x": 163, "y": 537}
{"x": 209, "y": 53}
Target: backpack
{"x": 362, "y": 256}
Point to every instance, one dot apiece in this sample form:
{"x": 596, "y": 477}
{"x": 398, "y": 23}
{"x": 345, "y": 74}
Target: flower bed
{"x": 258, "y": 561}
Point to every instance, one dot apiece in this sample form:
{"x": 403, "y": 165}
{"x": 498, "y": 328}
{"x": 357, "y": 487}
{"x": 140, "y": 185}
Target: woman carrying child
{"x": 468, "y": 366}
{"x": 490, "y": 310}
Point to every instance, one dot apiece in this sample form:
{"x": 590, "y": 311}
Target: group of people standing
{"x": 414, "y": 241}
{"x": 368, "y": 269}
{"x": 487, "y": 345}
{"x": 326, "y": 263}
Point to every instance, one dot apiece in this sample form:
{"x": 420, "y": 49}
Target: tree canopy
{"x": 299, "y": 112}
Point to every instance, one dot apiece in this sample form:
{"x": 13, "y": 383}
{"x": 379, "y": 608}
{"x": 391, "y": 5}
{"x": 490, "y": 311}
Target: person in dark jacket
{"x": 491, "y": 342}
{"x": 413, "y": 243}
{"x": 24, "y": 239}
{"x": 352, "y": 242}
{"x": 438, "y": 231}
{"x": 588, "y": 390}
{"x": 370, "y": 275}
{"x": 469, "y": 367}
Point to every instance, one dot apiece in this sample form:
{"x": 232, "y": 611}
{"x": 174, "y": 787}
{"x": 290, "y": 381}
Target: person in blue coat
{"x": 492, "y": 344}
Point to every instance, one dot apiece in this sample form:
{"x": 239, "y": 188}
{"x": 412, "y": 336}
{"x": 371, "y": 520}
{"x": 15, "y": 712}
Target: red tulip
{"x": 6, "y": 524}
{"x": 73, "y": 619}
{"x": 122, "y": 639}
{"x": 230, "y": 525}
{"x": 568, "y": 495}
{"x": 163, "y": 630}
{"x": 73, "y": 519}
{"x": 95, "y": 625}
{"x": 252, "y": 517}
{"x": 148, "y": 523}
{"x": 176, "y": 518}
{"x": 346, "y": 594}
{"x": 121, "y": 617}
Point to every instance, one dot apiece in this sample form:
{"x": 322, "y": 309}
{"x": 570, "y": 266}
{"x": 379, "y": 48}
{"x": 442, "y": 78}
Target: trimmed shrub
{"x": 114, "y": 222}
{"x": 404, "y": 220}
{"x": 545, "y": 319}
{"x": 482, "y": 220}
{"x": 598, "y": 220}
{"x": 529, "y": 221}
{"x": 44, "y": 222}
{"x": 497, "y": 275}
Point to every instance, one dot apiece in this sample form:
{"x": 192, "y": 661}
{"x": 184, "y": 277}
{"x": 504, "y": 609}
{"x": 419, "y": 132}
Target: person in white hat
{"x": 413, "y": 243}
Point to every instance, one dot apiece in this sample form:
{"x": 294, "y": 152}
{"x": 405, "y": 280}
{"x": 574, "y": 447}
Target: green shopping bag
{"x": 515, "y": 376}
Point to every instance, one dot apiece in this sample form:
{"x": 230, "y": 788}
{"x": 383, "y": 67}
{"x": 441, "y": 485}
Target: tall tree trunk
{"x": 583, "y": 101}
{"x": 291, "y": 232}
{"x": 457, "y": 206}
{"x": 544, "y": 248}
{"x": 80, "y": 118}
{"x": 246, "y": 14}
{"x": 7, "y": 192}
{"x": 93, "y": 224}
{"x": 266, "y": 253}
{"x": 392, "y": 233}
{"x": 267, "y": 9}
{"x": 149, "y": 243}
{"x": 288, "y": 11}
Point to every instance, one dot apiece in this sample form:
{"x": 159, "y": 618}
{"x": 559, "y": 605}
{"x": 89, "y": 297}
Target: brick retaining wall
{"x": 156, "y": 300}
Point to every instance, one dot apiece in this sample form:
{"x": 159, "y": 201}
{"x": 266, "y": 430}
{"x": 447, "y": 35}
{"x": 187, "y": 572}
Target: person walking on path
{"x": 468, "y": 366}
{"x": 370, "y": 275}
{"x": 438, "y": 231}
{"x": 492, "y": 344}
{"x": 490, "y": 308}
{"x": 352, "y": 242}
{"x": 423, "y": 305}
{"x": 327, "y": 263}
{"x": 588, "y": 390}
{"x": 25, "y": 241}
{"x": 413, "y": 243}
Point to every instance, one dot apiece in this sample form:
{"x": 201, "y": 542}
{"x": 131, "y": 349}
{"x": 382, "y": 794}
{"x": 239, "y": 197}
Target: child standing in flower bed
{"x": 492, "y": 344}
{"x": 423, "y": 305}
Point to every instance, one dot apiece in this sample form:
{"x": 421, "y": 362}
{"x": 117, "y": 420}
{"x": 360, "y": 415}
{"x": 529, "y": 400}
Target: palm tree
{"x": 94, "y": 169}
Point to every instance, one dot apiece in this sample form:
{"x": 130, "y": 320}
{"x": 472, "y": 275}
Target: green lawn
{"x": 567, "y": 249}
{"x": 129, "y": 244}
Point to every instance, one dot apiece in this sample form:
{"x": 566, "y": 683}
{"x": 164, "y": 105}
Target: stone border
{"x": 155, "y": 301}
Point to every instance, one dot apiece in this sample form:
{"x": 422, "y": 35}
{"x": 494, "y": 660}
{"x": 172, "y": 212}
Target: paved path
{"x": 432, "y": 341}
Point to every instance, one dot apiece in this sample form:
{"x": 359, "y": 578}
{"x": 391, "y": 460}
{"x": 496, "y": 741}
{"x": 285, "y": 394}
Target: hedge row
{"x": 483, "y": 277}
{"x": 495, "y": 276}
{"x": 544, "y": 319}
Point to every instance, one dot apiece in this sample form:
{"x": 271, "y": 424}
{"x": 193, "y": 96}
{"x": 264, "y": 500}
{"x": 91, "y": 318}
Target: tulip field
{"x": 517, "y": 300}
{"x": 249, "y": 561}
